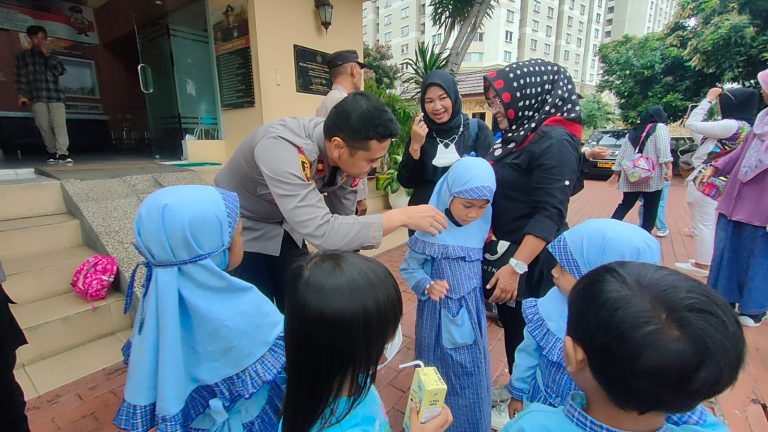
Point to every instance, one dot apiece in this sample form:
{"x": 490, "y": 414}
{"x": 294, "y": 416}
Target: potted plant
{"x": 404, "y": 111}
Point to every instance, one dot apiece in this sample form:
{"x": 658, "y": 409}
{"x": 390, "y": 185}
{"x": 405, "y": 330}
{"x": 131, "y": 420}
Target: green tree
{"x": 377, "y": 57}
{"x": 725, "y": 38}
{"x": 647, "y": 71}
{"x": 464, "y": 18}
{"x": 596, "y": 112}
{"x": 426, "y": 59}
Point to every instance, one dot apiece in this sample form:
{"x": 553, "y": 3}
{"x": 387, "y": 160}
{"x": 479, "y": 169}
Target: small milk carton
{"x": 427, "y": 391}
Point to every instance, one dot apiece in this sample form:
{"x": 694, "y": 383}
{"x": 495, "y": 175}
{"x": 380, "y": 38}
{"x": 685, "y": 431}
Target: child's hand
{"x": 437, "y": 424}
{"x": 515, "y": 406}
{"x": 437, "y": 289}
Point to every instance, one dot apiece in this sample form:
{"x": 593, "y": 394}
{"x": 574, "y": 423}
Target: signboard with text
{"x": 312, "y": 75}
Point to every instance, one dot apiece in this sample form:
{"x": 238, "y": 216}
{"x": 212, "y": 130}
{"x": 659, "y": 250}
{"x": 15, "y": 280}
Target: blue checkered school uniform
{"x": 573, "y": 418}
{"x": 451, "y": 334}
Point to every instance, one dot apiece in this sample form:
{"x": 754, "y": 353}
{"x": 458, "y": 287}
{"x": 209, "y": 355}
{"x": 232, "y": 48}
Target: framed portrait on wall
{"x": 79, "y": 80}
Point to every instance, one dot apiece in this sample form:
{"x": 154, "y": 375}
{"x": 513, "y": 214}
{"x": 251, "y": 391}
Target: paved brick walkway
{"x": 88, "y": 405}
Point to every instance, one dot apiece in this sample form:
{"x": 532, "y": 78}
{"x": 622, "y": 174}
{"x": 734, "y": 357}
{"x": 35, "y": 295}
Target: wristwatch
{"x": 518, "y": 266}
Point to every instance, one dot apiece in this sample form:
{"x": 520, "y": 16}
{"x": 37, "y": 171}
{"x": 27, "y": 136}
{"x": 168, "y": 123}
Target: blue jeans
{"x": 661, "y": 223}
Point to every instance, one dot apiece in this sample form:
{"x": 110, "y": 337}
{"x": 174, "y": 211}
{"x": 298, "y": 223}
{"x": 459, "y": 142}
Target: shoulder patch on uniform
{"x": 355, "y": 182}
{"x": 306, "y": 167}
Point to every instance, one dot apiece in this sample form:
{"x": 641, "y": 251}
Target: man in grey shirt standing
{"x": 280, "y": 173}
{"x": 347, "y": 76}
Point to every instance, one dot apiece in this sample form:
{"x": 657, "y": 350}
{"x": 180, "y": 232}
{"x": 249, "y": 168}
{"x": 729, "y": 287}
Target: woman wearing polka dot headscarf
{"x": 537, "y": 163}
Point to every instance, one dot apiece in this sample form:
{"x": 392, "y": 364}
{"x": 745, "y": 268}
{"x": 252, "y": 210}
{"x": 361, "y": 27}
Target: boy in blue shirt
{"x": 642, "y": 341}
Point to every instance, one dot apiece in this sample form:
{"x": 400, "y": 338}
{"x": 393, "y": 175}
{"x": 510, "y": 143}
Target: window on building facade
{"x": 570, "y": 21}
{"x": 536, "y": 6}
{"x": 387, "y": 4}
{"x": 593, "y": 63}
{"x": 547, "y": 48}
{"x": 583, "y": 9}
{"x": 404, "y": 67}
{"x": 550, "y": 12}
{"x": 404, "y": 49}
{"x": 437, "y": 39}
{"x": 478, "y": 37}
{"x": 598, "y": 18}
{"x": 581, "y": 26}
{"x": 405, "y": 12}
{"x": 387, "y": 37}
{"x": 573, "y": 4}
{"x": 609, "y": 22}
{"x": 549, "y": 30}
{"x": 423, "y": 9}
{"x": 610, "y": 10}
{"x": 404, "y": 30}
{"x": 566, "y": 55}
{"x": 597, "y": 32}
{"x": 423, "y": 28}
{"x": 568, "y": 37}
{"x": 508, "y": 36}
{"x": 473, "y": 57}
{"x": 577, "y": 58}
{"x": 594, "y": 49}
{"x": 591, "y": 77}
{"x": 608, "y": 34}
{"x": 535, "y": 25}
{"x": 510, "y": 15}
{"x": 508, "y": 56}
{"x": 534, "y": 44}
{"x": 387, "y": 20}
{"x": 578, "y": 42}
{"x": 365, "y": 12}
{"x": 599, "y": 3}
{"x": 365, "y": 29}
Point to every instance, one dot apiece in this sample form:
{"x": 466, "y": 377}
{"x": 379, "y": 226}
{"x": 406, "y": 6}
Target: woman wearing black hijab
{"x": 440, "y": 135}
{"x": 651, "y": 138}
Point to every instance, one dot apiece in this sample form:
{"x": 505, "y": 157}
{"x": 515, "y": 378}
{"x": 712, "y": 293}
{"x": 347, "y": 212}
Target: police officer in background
{"x": 347, "y": 75}
{"x": 280, "y": 173}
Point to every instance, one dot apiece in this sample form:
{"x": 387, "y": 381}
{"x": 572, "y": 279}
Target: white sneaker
{"x": 745, "y": 320}
{"x": 662, "y": 233}
{"x": 688, "y": 267}
{"x": 500, "y": 416}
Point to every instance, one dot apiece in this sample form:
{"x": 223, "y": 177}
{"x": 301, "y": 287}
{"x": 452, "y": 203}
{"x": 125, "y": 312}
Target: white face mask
{"x": 392, "y": 347}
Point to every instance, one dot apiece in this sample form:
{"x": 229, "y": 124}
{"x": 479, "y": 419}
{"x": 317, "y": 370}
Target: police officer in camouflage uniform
{"x": 281, "y": 172}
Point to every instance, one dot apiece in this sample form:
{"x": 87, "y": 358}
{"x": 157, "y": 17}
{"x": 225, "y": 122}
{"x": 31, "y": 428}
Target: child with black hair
{"x": 641, "y": 341}
{"x": 342, "y": 315}
{"x": 539, "y": 374}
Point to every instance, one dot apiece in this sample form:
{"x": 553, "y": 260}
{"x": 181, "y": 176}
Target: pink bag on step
{"x": 94, "y": 276}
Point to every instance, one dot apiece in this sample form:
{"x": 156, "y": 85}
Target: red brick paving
{"x": 87, "y": 405}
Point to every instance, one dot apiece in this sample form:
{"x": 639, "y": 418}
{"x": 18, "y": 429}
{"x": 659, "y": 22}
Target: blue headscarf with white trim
{"x": 470, "y": 178}
{"x": 200, "y": 335}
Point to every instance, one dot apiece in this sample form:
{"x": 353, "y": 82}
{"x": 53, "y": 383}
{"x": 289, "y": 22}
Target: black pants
{"x": 512, "y": 320}
{"x": 12, "y": 402}
{"x": 268, "y": 272}
{"x": 650, "y": 207}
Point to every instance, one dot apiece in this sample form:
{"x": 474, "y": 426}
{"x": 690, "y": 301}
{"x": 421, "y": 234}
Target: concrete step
{"x": 41, "y": 276}
{"x": 58, "y": 324}
{"x": 63, "y": 368}
{"x": 36, "y": 235}
{"x": 31, "y": 199}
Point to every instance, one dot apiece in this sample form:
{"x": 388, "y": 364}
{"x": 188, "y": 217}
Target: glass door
{"x": 158, "y": 83}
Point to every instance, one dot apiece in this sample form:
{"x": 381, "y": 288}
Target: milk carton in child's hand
{"x": 427, "y": 391}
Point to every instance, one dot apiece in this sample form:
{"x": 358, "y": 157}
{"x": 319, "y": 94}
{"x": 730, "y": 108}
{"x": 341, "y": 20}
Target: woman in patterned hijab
{"x": 537, "y": 164}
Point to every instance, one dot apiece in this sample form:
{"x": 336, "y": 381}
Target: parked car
{"x": 611, "y": 139}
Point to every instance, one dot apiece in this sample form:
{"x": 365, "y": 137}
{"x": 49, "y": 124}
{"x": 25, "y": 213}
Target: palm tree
{"x": 425, "y": 60}
{"x": 465, "y": 17}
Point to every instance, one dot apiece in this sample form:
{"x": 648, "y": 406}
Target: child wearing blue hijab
{"x": 539, "y": 374}
{"x": 445, "y": 273}
{"x": 206, "y": 352}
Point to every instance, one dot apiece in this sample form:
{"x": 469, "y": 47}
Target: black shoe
{"x": 52, "y": 159}
{"x": 65, "y": 159}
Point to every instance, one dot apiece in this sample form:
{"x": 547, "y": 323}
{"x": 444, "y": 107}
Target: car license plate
{"x": 605, "y": 164}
